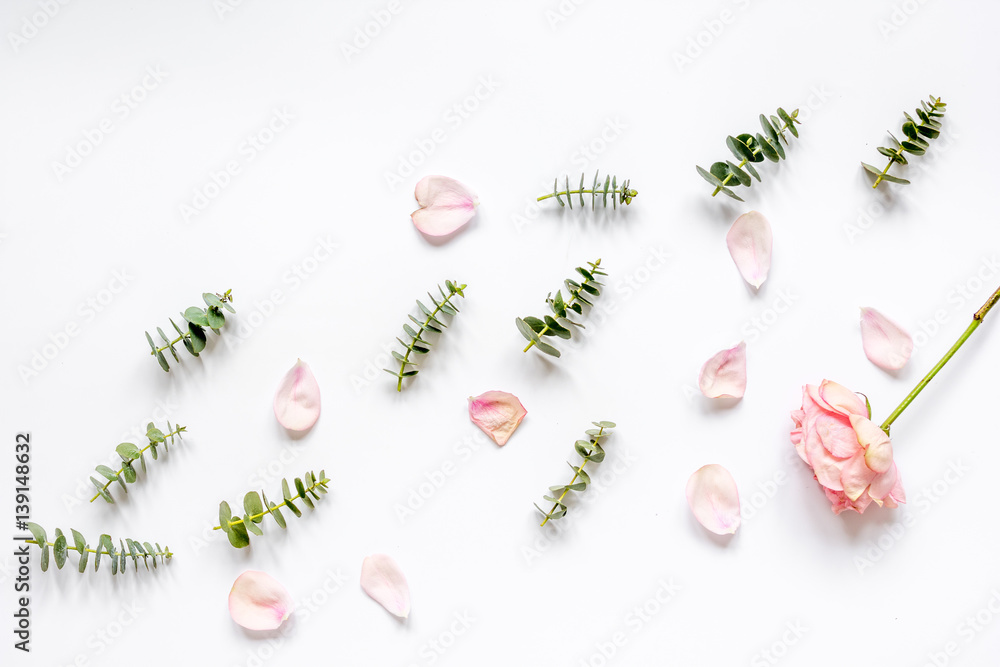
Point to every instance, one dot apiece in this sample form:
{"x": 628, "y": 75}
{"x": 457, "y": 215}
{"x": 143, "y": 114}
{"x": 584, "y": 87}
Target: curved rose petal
{"x": 258, "y": 602}
{"x": 842, "y": 399}
{"x": 856, "y": 476}
{"x": 445, "y": 205}
{"x": 749, "y": 241}
{"x": 883, "y": 484}
{"x": 498, "y": 413}
{"x": 878, "y": 447}
{"x": 725, "y": 374}
{"x": 712, "y": 494}
{"x": 886, "y": 344}
{"x": 296, "y": 404}
{"x": 384, "y": 582}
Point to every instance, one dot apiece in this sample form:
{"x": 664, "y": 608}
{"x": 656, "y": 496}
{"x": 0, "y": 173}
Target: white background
{"x": 600, "y": 85}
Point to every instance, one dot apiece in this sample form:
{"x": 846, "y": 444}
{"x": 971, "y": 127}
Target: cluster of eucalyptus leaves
{"x": 129, "y": 453}
{"x": 917, "y": 133}
{"x": 432, "y": 321}
{"x": 256, "y": 506}
{"x": 198, "y": 320}
{"x": 591, "y": 451}
{"x": 129, "y": 548}
{"x": 750, "y": 149}
{"x": 559, "y": 323}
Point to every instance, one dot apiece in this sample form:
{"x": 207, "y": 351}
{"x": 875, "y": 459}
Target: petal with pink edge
{"x": 445, "y": 205}
{"x": 725, "y": 374}
{"x": 497, "y": 413}
{"x": 384, "y": 582}
{"x": 714, "y": 499}
{"x": 296, "y": 403}
{"x": 886, "y": 344}
{"x": 750, "y": 241}
{"x": 258, "y": 602}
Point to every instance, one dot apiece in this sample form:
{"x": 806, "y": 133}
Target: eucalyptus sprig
{"x": 129, "y": 453}
{"x": 915, "y": 142}
{"x": 198, "y": 319}
{"x": 749, "y": 148}
{"x": 622, "y": 195}
{"x": 589, "y": 450}
{"x": 257, "y": 506}
{"x": 533, "y": 329}
{"x": 431, "y": 322}
{"x": 130, "y": 548}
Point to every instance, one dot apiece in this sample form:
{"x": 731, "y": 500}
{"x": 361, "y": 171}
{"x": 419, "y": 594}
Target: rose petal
{"x": 750, "y": 242}
{"x": 445, "y": 205}
{"x": 878, "y": 447}
{"x": 841, "y": 399}
{"x": 296, "y": 403}
{"x": 725, "y": 374}
{"x": 258, "y": 602}
{"x": 384, "y": 582}
{"x": 497, "y": 413}
{"x": 886, "y": 344}
{"x": 712, "y": 494}
{"x": 856, "y": 476}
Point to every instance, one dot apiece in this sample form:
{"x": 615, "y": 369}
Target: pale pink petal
{"x": 856, "y": 476}
{"x": 445, "y": 205}
{"x": 878, "y": 447}
{"x": 841, "y": 399}
{"x": 750, "y": 241}
{"x": 886, "y": 344}
{"x": 725, "y": 374}
{"x": 498, "y": 413}
{"x": 384, "y": 582}
{"x": 712, "y": 494}
{"x": 258, "y": 602}
{"x": 296, "y": 403}
{"x": 883, "y": 484}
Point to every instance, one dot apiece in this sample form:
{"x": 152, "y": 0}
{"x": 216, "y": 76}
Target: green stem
{"x": 884, "y": 172}
{"x": 423, "y": 327}
{"x": 566, "y": 193}
{"x": 141, "y": 452}
{"x": 597, "y": 439}
{"x": 268, "y": 510}
{"x": 165, "y": 554}
{"x": 173, "y": 342}
{"x": 977, "y": 319}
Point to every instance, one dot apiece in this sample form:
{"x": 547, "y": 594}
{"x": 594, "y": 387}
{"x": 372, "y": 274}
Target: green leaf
{"x": 788, "y": 121}
{"x": 739, "y": 149}
{"x": 300, "y": 488}
{"x": 154, "y": 434}
{"x": 225, "y": 515}
{"x": 547, "y": 349}
{"x": 198, "y": 339}
{"x": 162, "y": 361}
{"x": 252, "y": 505}
{"x": 751, "y": 142}
{"x": 909, "y": 129}
{"x": 149, "y": 339}
{"x": 730, "y": 193}
{"x": 83, "y": 558}
{"x": 557, "y": 329}
{"x": 196, "y": 315}
{"x": 251, "y": 525}
{"x": 911, "y": 147}
{"x": 605, "y": 424}
{"x": 721, "y": 171}
{"x": 767, "y": 149}
{"x": 742, "y": 176}
{"x": 216, "y": 320}
{"x": 871, "y": 170}
{"x": 107, "y": 472}
{"x": 128, "y": 472}
{"x": 710, "y": 177}
{"x": 238, "y": 535}
{"x": 929, "y": 132}
{"x": 127, "y": 451}
{"x": 893, "y": 179}
{"x": 276, "y": 513}
{"x": 212, "y": 300}
{"x": 769, "y": 130}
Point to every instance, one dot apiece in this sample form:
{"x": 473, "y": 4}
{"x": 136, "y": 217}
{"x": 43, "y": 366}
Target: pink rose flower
{"x": 850, "y": 456}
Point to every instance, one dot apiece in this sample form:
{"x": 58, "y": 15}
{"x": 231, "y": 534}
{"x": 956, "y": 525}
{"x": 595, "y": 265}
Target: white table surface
{"x": 315, "y": 240}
